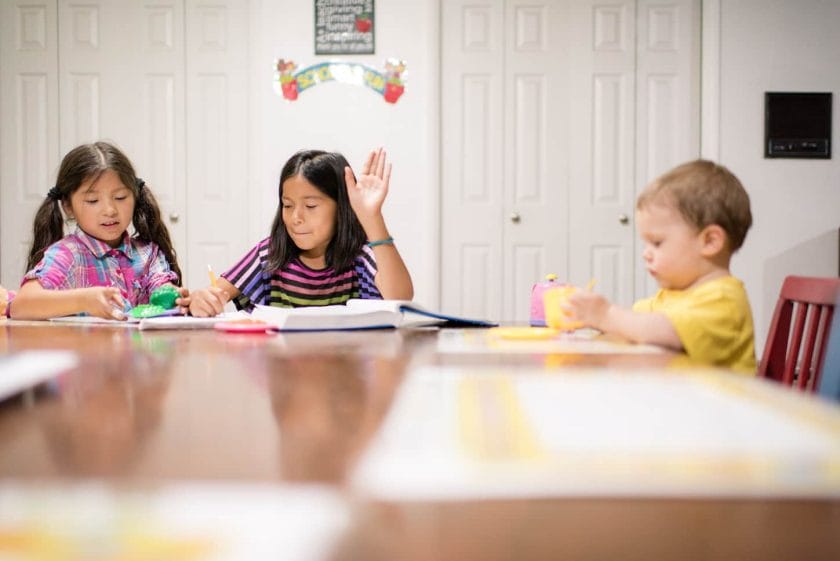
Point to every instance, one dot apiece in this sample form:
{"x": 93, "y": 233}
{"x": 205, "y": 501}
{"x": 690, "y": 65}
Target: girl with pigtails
{"x": 100, "y": 269}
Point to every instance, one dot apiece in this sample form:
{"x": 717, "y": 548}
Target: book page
{"x": 368, "y": 305}
{"x": 415, "y": 315}
{"x": 326, "y": 318}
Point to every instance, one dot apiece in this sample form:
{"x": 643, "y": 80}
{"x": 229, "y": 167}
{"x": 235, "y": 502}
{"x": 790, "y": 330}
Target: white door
{"x": 217, "y": 179}
{"x": 602, "y": 154}
{"x": 667, "y": 96}
{"x": 635, "y": 113}
{"x": 29, "y": 153}
{"x": 597, "y": 99}
{"x": 165, "y": 81}
{"x": 472, "y": 149}
{"x": 121, "y": 79}
{"x": 504, "y": 187}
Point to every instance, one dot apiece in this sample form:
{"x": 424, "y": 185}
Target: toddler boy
{"x": 691, "y": 220}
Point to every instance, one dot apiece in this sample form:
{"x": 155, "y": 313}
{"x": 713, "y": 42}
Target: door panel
{"x": 668, "y": 92}
{"x": 500, "y": 106}
{"x": 122, "y": 66}
{"x": 29, "y": 132}
{"x": 536, "y": 185}
{"x": 164, "y": 81}
{"x": 598, "y": 99}
{"x": 471, "y": 158}
{"x": 602, "y": 114}
{"x": 217, "y": 135}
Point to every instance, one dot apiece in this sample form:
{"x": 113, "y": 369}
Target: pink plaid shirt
{"x": 79, "y": 261}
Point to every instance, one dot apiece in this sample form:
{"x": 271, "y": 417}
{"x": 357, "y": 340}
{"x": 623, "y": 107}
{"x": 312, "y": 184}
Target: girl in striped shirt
{"x": 328, "y": 242}
{"x": 100, "y": 269}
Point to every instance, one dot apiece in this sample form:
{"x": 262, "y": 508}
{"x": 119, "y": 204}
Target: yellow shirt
{"x": 713, "y": 321}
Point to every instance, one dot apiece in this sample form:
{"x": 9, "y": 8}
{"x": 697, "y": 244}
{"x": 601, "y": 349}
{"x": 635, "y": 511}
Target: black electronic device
{"x": 797, "y": 125}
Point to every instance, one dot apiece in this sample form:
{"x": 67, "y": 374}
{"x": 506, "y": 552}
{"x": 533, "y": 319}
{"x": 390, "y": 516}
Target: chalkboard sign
{"x": 344, "y": 27}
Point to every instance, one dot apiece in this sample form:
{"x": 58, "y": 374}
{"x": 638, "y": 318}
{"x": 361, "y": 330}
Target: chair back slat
{"x": 775, "y": 351}
{"x": 828, "y": 316}
{"x": 795, "y": 347}
{"x": 806, "y": 373}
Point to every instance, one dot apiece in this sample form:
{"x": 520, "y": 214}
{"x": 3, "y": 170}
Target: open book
{"x": 360, "y": 314}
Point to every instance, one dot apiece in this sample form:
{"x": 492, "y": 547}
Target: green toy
{"x": 147, "y": 311}
{"x": 164, "y": 296}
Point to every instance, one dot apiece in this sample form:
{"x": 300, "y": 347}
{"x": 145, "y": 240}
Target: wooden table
{"x": 155, "y": 406}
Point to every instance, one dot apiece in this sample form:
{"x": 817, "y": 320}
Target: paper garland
{"x": 389, "y": 84}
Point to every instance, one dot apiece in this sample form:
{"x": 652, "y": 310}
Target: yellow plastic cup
{"x": 555, "y": 316}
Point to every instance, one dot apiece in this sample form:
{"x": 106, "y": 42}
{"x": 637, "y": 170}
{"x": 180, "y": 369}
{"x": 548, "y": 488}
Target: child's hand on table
{"x": 103, "y": 302}
{"x": 588, "y": 307}
{"x": 207, "y": 302}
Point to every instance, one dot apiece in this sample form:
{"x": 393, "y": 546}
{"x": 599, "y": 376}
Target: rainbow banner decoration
{"x": 389, "y": 84}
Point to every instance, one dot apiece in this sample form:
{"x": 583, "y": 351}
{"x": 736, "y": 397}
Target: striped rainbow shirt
{"x": 297, "y": 285}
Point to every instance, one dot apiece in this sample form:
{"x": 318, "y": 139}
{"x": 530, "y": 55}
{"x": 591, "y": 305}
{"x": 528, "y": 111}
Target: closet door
{"x": 217, "y": 185}
{"x": 473, "y": 222}
{"x": 597, "y": 99}
{"x": 635, "y": 110}
{"x": 28, "y": 124}
{"x": 668, "y": 96}
{"x": 536, "y": 188}
{"x": 165, "y": 81}
{"x": 603, "y": 157}
{"x": 121, "y": 78}
{"x": 503, "y": 164}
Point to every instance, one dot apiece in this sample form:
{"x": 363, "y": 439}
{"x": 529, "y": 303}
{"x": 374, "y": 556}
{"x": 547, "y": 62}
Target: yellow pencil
{"x": 590, "y": 285}
{"x": 212, "y": 276}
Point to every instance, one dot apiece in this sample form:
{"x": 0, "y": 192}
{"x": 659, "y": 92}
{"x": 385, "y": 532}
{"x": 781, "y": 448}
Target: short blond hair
{"x": 704, "y": 193}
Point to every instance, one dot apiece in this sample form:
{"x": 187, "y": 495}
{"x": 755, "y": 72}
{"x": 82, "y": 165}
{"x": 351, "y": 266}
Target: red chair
{"x": 795, "y": 355}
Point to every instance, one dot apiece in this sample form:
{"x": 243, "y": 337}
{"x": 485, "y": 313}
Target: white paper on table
{"x": 24, "y": 370}
{"x": 186, "y": 521}
{"x": 585, "y": 341}
{"x": 477, "y": 433}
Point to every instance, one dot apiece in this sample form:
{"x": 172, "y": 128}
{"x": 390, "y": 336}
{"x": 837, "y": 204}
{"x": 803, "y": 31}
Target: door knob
{"x": 174, "y": 217}
{"x": 515, "y": 218}
{"x": 623, "y": 219}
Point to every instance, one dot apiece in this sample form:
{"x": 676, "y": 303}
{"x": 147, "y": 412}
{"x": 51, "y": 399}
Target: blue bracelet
{"x": 386, "y": 241}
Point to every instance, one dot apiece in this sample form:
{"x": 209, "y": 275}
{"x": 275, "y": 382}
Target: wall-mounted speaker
{"x": 797, "y": 125}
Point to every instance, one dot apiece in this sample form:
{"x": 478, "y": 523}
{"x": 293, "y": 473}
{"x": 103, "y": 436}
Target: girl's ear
{"x": 68, "y": 210}
{"x": 713, "y": 240}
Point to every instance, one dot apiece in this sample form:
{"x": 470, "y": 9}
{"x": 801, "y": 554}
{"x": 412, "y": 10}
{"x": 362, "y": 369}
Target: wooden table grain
{"x": 145, "y": 407}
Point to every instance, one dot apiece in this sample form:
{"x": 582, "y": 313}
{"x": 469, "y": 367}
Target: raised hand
{"x": 368, "y": 193}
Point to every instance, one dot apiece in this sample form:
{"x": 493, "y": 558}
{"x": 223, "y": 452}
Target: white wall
{"x": 779, "y": 45}
{"x": 353, "y": 119}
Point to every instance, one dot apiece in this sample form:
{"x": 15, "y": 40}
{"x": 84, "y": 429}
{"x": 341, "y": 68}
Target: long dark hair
{"x": 324, "y": 170}
{"x": 87, "y": 162}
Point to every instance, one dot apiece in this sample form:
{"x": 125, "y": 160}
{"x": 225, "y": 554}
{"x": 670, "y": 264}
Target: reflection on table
{"x": 169, "y": 421}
